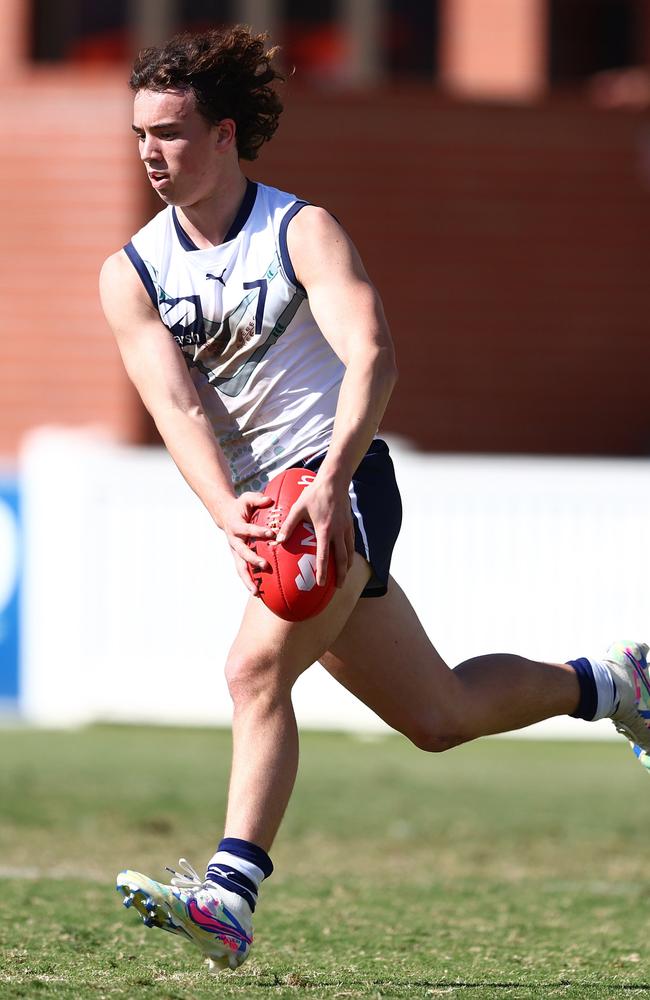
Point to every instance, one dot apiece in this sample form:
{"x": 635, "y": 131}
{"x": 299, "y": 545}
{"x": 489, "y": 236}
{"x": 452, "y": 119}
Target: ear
{"x": 225, "y": 134}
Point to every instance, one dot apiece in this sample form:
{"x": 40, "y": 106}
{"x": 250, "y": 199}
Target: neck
{"x": 207, "y": 221}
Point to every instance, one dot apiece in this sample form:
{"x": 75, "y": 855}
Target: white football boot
{"x": 217, "y": 921}
{"x": 628, "y": 664}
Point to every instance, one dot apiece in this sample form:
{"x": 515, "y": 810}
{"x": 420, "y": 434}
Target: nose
{"x": 150, "y": 149}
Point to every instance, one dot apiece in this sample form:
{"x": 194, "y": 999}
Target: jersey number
{"x": 263, "y": 285}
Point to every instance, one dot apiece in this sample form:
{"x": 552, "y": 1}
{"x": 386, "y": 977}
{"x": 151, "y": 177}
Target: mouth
{"x": 158, "y": 178}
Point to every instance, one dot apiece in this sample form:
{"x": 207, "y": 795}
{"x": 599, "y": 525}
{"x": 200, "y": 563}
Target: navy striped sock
{"x": 598, "y": 695}
{"x": 239, "y": 866}
{"x": 588, "y": 694}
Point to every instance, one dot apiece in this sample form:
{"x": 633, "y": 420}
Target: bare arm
{"x": 157, "y": 369}
{"x": 348, "y": 310}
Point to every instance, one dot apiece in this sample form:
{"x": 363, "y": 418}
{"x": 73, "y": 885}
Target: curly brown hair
{"x": 230, "y": 75}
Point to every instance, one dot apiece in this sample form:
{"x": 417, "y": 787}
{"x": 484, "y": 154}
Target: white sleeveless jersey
{"x": 267, "y": 378}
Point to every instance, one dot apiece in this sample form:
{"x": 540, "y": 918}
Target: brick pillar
{"x": 261, "y": 15}
{"x": 362, "y": 23}
{"x": 644, "y": 29}
{"x": 14, "y": 37}
{"x": 494, "y": 49}
{"x": 152, "y": 22}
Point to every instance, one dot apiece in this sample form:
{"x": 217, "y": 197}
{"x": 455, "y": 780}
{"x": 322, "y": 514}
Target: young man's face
{"x": 180, "y": 149}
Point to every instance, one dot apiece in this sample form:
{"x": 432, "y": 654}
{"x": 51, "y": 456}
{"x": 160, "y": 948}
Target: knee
{"x": 435, "y": 742}
{"x": 254, "y": 677}
{"x": 245, "y": 676}
{"x": 434, "y": 737}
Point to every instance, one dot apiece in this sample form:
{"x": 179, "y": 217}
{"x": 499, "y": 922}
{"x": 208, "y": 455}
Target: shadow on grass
{"x": 307, "y": 982}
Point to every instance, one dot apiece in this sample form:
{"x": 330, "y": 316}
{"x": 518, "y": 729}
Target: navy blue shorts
{"x": 377, "y": 512}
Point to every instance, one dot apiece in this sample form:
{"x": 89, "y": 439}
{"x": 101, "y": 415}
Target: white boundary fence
{"x": 131, "y": 601}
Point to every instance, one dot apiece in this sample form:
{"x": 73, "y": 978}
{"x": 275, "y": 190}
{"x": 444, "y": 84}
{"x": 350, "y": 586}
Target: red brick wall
{"x": 510, "y": 245}
{"x": 68, "y": 197}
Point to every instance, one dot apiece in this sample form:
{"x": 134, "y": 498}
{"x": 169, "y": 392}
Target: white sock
{"x": 224, "y": 860}
{"x": 606, "y": 689}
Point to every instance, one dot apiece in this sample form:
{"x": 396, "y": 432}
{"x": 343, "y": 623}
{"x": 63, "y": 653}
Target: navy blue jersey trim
{"x": 183, "y": 238}
{"x": 245, "y": 210}
{"x": 240, "y": 220}
{"x": 141, "y": 268}
{"x": 284, "y": 250}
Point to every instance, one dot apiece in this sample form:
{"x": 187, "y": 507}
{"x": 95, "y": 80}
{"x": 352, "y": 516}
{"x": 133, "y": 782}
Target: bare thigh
{"x": 272, "y": 649}
{"x": 385, "y": 658}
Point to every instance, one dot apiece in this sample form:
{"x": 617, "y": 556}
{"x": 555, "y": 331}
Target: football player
{"x": 256, "y": 340}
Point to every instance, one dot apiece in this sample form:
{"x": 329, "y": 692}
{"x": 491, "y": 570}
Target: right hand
{"x": 236, "y": 523}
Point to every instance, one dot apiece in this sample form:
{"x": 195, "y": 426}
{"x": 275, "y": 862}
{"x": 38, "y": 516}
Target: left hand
{"x": 327, "y": 507}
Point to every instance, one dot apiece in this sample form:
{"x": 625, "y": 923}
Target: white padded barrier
{"x": 131, "y": 601}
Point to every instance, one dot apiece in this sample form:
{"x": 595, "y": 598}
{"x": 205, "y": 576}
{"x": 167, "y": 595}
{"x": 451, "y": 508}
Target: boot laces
{"x": 187, "y": 877}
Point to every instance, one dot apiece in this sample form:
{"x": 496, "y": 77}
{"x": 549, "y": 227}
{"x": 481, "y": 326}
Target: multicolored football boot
{"x": 218, "y": 922}
{"x": 628, "y": 664}
{"x": 642, "y": 756}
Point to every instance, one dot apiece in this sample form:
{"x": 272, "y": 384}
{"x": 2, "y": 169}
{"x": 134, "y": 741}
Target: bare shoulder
{"x": 116, "y": 270}
{"x": 313, "y": 224}
{"x": 121, "y": 289}
{"x": 313, "y": 237}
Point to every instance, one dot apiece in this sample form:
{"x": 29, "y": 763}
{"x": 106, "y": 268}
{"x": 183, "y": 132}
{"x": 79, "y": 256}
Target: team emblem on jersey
{"x": 184, "y": 317}
{"x": 226, "y": 352}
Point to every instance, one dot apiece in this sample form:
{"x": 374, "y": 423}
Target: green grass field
{"x": 501, "y": 869}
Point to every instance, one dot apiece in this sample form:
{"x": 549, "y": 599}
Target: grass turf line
{"x": 501, "y": 869}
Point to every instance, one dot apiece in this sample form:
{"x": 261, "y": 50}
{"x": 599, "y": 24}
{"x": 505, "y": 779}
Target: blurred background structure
{"x": 470, "y": 148}
{"x": 490, "y": 158}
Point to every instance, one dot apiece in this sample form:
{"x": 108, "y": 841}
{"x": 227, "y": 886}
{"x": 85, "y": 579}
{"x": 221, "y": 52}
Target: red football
{"x": 289, "y": 590}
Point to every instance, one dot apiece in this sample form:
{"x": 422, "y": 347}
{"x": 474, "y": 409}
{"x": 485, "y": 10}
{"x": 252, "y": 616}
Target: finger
{"x": 253, "y": 530}
{"x": 292, "y": 520}
{"x": 256, "y": 499}
{"x": 249, "y": 582}
{"x": 322, "y": 557}
{"x": 349, "y": 545}
{"x": 249, "y": 554}
{"x": 261, "y": 500}
{"x": 251, "y": 503}
{"x": 340, "y": 560}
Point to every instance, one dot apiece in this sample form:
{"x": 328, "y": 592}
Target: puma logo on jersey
{"x": 218, "y": 277}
